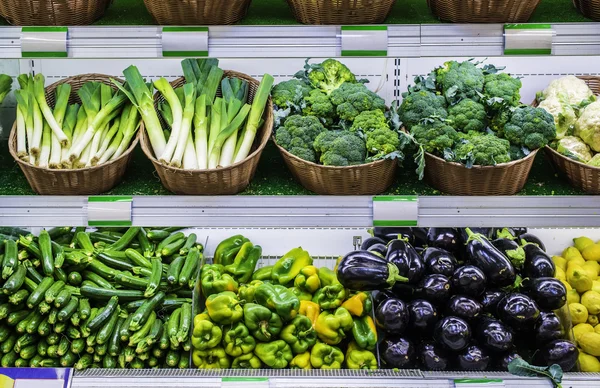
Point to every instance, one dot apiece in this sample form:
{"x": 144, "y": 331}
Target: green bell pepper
{"x": 276, "y": 354}
{"x": 238, "y": 341}
{"x": 263, "y": 273}
{"x": 263, "y": 324}
{"x": 213, "y": 280}
{"x": 331, "y": 327}
{"x": 206, "y": 334}
{"x": 278, "y": 299}
{"x": 357, "y": 358}
{"x": 214, "y": 358}
{"x": 290, "y": 265}
{"x": 330, "y": 297}
{"x": 301, "y": 294}
{"x": 308, "y": 279}
{"x": 365, "y": 332}
{"x": 325, "y": 356}
{"x": 301, "y": 361}
{"x": 246, "y": 291}
{"x": 228, "y": 249}
{"x": 327, "y": 277}
{"x": 299, "y": 334}
{"x": 246, "y": 361}
{"x": 359, "y": 304}
{"x": 244, "y": 263}
{"x": 224, "y": 308}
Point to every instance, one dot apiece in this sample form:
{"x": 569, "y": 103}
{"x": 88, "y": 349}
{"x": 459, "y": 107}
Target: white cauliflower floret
{"x": 587, "y": 127}
{"x": 575, "y": 89}
{"x": 563, "y": 113}
{"x": 595, "y": 161}
{"x": 574, "y": 148}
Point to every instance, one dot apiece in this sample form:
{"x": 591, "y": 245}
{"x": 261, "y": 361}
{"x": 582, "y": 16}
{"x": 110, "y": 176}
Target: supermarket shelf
{"x": 309, "y": 211}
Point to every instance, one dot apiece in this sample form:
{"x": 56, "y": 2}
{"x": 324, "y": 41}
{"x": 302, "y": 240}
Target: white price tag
{"x": 109, "y": 211}
{"x": 479, "y": 383}
{"x": 528, "y": 39}
{"x": 185, "y": 41}
{"x": 44, "y": 42}
{"x": 245, "y": 382}
{"x": 364, "y": 41}
{"x": 400, "y": 210}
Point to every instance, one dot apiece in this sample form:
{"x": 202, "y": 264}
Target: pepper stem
{"x": 264, "y": 329}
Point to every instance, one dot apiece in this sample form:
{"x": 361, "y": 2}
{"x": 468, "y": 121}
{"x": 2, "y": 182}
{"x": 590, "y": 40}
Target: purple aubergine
{"x": 513, "y": 251}
{"x": 494, "y": 335}
{"x": 452, "y": 332}
{"x": 392, "y": 316}
{"x": 366, "y": 271}
{"x": 469, "y": 280}
{"x": 380, "y": 296}
{"x": 548, "y": 328}
{"x": 432, "y": 356}
{"x": 397, "y": 352}
{"x": 538, "y": 263}
{"x": 420, "y": 235}
{"x": 561, "y": 352}
{"x": 490, "y": 300}
{"x": 519, "y": 311}
{"x": 379, "y": 249}
{"x": 366, "y": 244}
{"x": 445, "y": 238}
{"x": 473, "y": 358}
{"x": 481, "y": 253}
{"x": 464, "y": 307}
{"x": 422, "y": 315}
{"x": 549, "y": 293}
{"x": 533, "y": 239}
{"x": 410, "y": 264}
{"x": 389, "y": 233}
{"x": 434, "y": 288}
{"x": 440, "y": 261}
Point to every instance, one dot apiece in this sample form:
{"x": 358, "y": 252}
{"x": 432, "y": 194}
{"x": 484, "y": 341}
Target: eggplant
{"x": 533, "y": 239}
{"x": 368, "y": 243}
{"x": 510, "y": 233}
{"x": 513, "y": 251}
{"x": 379, "y": 249}
{"x": 487, "y": 232}
{"x": 473, "y": 358}
{"x": 469, "y": 280}
{"x": 498, "y": 270}
{"x": 392, "y": 316}
{"x": 388, "y": 233}
{"x": 420, "y": 237}
{"x": 406, "y": 258}
{"x": 548, "y": 328}
{"x": 432, "y": 356}
{"x": 561, "y": 352}
{"x": 537, "y": 262}
{"x": 490, "y": 300}
{"x": 548, "y": 293}
{"x": 434, "y": 288}
{"x": 380, "y": 296}
{"x": 365, "y": 271}
{"x": 519, "y": 311}
{"x": 503, "y": 361}
{"x": 397, "y": 352}
{"x": 406, "y": 292}
{"x": 452, "y": 332}
{"x": 422, "y": 315}
{"x": 494, "y": 335}
{"x": 438, "y": 260}
{"x": 445, "y": 238}
{"x": 464, "y": 307}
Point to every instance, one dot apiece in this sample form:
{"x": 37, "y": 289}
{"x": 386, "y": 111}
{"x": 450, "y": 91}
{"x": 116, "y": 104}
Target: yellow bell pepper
{"x": 309, "y": 309}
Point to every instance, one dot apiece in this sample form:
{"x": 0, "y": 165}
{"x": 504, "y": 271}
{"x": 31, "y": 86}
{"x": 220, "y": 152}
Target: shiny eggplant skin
{"x": 364, "y": 270}
{"x": 469, "y": 280}
{"x": 505, "y": 244}
{"x": 498, "y": 269}
{"x": 422, "y": 315}
{"x": 490, "y": 300}
{"x": 380, "y": 296}
{"x": 420, "y": 235}
{"x": 392, "y": 316}
{"x": 370, "y": 242}
{"x": 503, "y": 361}
{"x": 494, "y": 335}
{"x": 537, "y": 262}
{"x": 531, "y": 238}
{"x": 463, "y": 307}
{"x": 452, "y": 332}
{"x": 519, "y": 311}
{"x": 410, "y": 264}
{"x": 438, "y": 260}
{"x": 406, "y": 292}
{"x": 434, "y": 288}
{"x": 397, "y": 352}
{"x": 473, "y": 358}
{"x": 432, "y": 356}
{"x": 561, "y": 352}
{"x": 445, "y": 238}
{"x": 389, "y": 233}
{"x": 548, "y": 328}
{"x": 379, "y": 249}
{"x": 549, "y": 293}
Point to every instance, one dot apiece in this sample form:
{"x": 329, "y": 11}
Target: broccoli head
{"x": 458, "y": 80}
{"x": 499, "y": 120}
{"x": 289, "y": 93}
{"x": 435, "y": 135}
{"x": 516, "y": 152}
{"x": 352, "y": 99}
{"x": 369, "y": 120}
{"x": 421, "y": 105}
{"x": 500, "y": 89}
{"x": 467, "y": 115}
{"x": 330, "y": 75}
{"x": 382, "y": 141}
{"x": 482, "y": 149}
{"x": 340, "y": 148}
{"x": 530, "y": 127}
{"x": 318, "y": 104}
{"x": 298, "y": 134}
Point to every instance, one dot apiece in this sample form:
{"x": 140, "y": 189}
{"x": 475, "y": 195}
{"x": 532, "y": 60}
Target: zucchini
{"x": 16, "y": 316}
{"x": 60, "y": 327}
{"x": 91, "y": 342}
{"x": 59, "y": 231}
{"x": 104, "y": 314}
{"x": 28, "y": 352}
{"x": 172, "y": 358}
{"x": 137, "y": 364}
{"x": 34, "y": 362}
{"x": 59, "y": 255}
{"x": 29, "y": 284}
{"x": 15, "y": 281}
{"x": 42, "y": 348}
{"x": 84, "y": 362}
{"x": 68, "y": 310}
{"x": 75, "y": 319}
{"x": 129, "y": 354}
{"x": 53, "y": 339}
{"x": 153, "y": 336}
{"x": 103, "y": 294}
{"x": 76, "y": 258}
{"x": 189, "y": 244}
{"x": 13, "y": 231}
{"x": 49, "y": 363}
{"x": 184, "y": 362}
{"x": 109, "y": 362}
{"x": 137, "y": 258}
{"x": 10, "y": 260}
{"x": 18, "y": 297}
{"x": 63, "y": 346}
{"x": 84, "y": 329}
{"x": 73, "y": 333}
{"x": 158, "y": 352}
{"x": 24, "y": 341}
{"x": 143, "y": 331}
{"x": 63, "y": 297}
{"x": 145, "y": 244}
{"x": 104, "y": 334}
{"x": 114, "y": 341}
{"x": 126, "y": 239}
{"x": 38, "y": 294}
{"x": 53, "y": 316}
{"x": 34, "y": 274}
{"x": 121, "y": 361}
{"x": 5, "y": 309}
{"x": 140, "y": 316}
{"x": 84, "y": 242}
{"x": 52, "y": 292}
{"x": 101, "y": 349}
{"x": 175, "y": 269}
{"x": 106, "y": 238}
{"x": 30, "y": 246}
{"x": 75, "y": 278}
{"x": 5, "y": 332}
{"x": 191, "y": 263}
{"x": 44, "y": 307}
{"x": 8, "y": 344}
{"x": 187, "y": 345}
{"x": 21, "y": 327}
{"x": 152, "y": 362}
{"x": 44, "y": 328}
{"x": 131, "y": 281}
{"x": 168, "y": 240}
{"x": 145, "y": 272}
{"x": 68, "y": 359}
{"x": 172, "y": 248}
{"x": 99, "y": 280}
{"x": 89, "y": 283}
{"x": 155, "y": 277}
{"x": 21, "y": 363}
{"x": 78, "y": 346}
{"x": 157, "y": 235}
{"x": 34, "y": 322}
{"x": 74, "y": 239}
{"x": 143, "y": 356}
{"x": 185, "y": 323}
{"x": 102, "y": 269}
{"x": 117, "y": 263}
{"x": 124, "y": 329}
{"x": 47, "y": 258}
{"x": 60, "y": 274}
{"x": 173, "y": 327}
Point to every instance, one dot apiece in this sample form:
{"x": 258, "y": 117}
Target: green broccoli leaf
{"x": 520, "y": 367}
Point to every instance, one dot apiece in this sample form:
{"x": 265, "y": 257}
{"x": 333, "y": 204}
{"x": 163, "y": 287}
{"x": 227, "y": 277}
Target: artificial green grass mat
{"x": 277, "y": 12}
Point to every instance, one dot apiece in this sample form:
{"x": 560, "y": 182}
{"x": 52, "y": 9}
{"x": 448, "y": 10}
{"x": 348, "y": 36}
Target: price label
{"x": 528, "y": 39}
{"x": 400, "y": 210}
{"x": 109, "y": 211}
{"x": 36, "y": 377}
{"x": 44, "y": 42}
{"x": 245, "y": 382}
{"x": 185, "y": 41}
{"x": 478, "y": 383}
{"x": 364, "y": 41}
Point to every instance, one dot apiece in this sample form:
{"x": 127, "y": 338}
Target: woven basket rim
{"x": 480, "y": 167}
{"x": 13, "y": 135}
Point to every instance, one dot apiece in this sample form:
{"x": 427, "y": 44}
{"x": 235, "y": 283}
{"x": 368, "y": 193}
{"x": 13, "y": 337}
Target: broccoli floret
{"x": 467, "y": 115}
{"x": 516, "y": 152}
{"x": 482, "y": 149}
{"x": 340, "y": 148}
{"x": 499, "y": 120}
{"x": 382, "y": 141}
{"x": 298, "y": 134}
{"x": 435, "y": 135}
{"x": 460, "y": 80}
{"x": 501, "y": 90}
{"x": 530, "y": 127}
{"x": 420, "y": 105}
{"x": 369, "y": 120}
{"x": 352, "y": 99}
{"x": 330, "y": 75}
{"x": 318, "y": 104}
{"x": 292, "y": 91}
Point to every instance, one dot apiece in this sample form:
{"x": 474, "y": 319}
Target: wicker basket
{"x": 52, "y": 12}
{"x": 197, "y": 12}
{"x": 218, "y": 181}
{"x": 82, "y": 181}
{"x": 341, "y": 11}
{"x": 589, "y": 8}
{"x": 483, "y": 11}
{"x": 456, "y": 179}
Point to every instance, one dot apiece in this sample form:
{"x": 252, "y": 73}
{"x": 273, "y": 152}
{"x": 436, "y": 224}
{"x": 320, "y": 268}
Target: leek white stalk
{"x": 21, "y": 135}
{"x": 46, "y": 146}
{"x": 235, "y": 124}
{"x": 201, "y": 134}
{"x": 40, "y": 97}
{"x": 85, "y": 157}
{"x": 55, "y": 152}
{"x": 168, "y": 93}
{"x": 190, "y": 161}
{"x": 215, "y": 122}
{"x": 228, "y": 151}
{"x": 95, "y": 143}
{"x": 106, "y": 141}
{"x": 186, "y": 125}
{"x": 38, "y": 128}
{"x": 112, "y": 148}
{"x": 132, "y": 122}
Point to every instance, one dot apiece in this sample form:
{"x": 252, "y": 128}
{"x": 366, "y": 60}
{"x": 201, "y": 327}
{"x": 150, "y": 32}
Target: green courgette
{"x": 60, "y": 274}
{"x": 124, "y": 332}
{"x": 172, "y": 248}
{"x": 24, "y": 341}
{"x": 38, "y": 294}
{"x": 109, "y": 362}
{"x": 99, "y": 280}
{"x": 189, "y": 244}
{"x": 5, "y": 332}
{"x": 52, "y": 292}
{"x": 78, "y": 346}
{"x": 18, "y": 297}
{"x": 63, "y": 297}
{"x": 114, "y": 342}
{"x": 75, "y": 319}
{"x": 59, "y": 231}
{"x": 74, "y": 278}
{"x": 47, "y": 258}
{"x": 21, "y": 363}
{"x": 34, "y": 274}
{"x": 153, "y": 336}
{"x": 155, "y": 277}
{"x": 28, "y": 352}
{"x": 145, "y": 244}
{"x": 68, "y": 359}
{"x": 173, "y": 327}
{"x": 117, "y": 263}
{"x": 129, "y": 354}
{"x": 10, "y": 260}
{"x": 140, "y": 316}
{"x": 157, "y": 235}
{"x": 68, "y": 310}
{"x": 60, "y": 327}
{"x": 73, "y": 333}
{"x": 84, "y": 308}
{"x": 42, "y": 348}
{"x": 175, "y": 269}
{"x": 34, "y": 322}
{"x": 15, "y": 281}
{"x": 191, "y": 263}
{"x": 184, "y": 362}
{"x": 34, "y": 362}
{"x": 129, "y": 281}
{"x": 137, "y": 258}
{"x": 102, "y": 269}
{"x": 84, "y": 362}
{"x": 108, "y": 328}
{"x": 16, "y": 316}
{"x": 44, "y": 307}
{"x": 84, "y": 242}
{"x": 126, "y": 239}
{"x": 172, "y": 358}
{"x": 53, "y": 339}
{"x": 185, "y": 323}
{"x": 8, "y": 344}
{"x": 104, "y": 314}
{"x": 59, "y": 254}
{"x": 143, "y": 331}
{"x": 44, "y": 328}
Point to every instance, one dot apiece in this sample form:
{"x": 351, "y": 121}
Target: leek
{"x": 190, "y": 161}
{"x": 112, "y": 148}
{"x": 106, "y": 141}
{"x": 46, "y": 146}
{"x": 24, "y": 114}
{"x": 165, "y": 88}
{"x": 201, "y": 134}
{"x": 38, "y": 127}
{"x": 38, "y": 86}
{"x": 55, "y": 152}
{"x": 215, "y": 122}
{"x": 186, "y": 125}
{"x": 132, "y": 122}
{"x": 235, "y": 124}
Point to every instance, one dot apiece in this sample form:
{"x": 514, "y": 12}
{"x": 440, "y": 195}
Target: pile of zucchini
{"x": 109, "y": 298}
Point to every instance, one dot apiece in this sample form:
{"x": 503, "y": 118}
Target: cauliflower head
{"x": 330, "y": 75}
{"x": 482, "y": 149}
{"x": 369, "y": 120}
{"x": 435, "y": 135}
{"x": 502, "y": 86}
{"x": 574, "y": 148}
{"x": 467, "y": 115}
{"x": 574, "y": 88}
{"x": 458, "y": 80}
{"x": 298, "y": 134}
{"x": 420, "y": 105}
{"x": 340, "y": 148}
{"x": 382, "y": 141}
{"x": 318, "y": 104}
{"x": 587, "y": 126}
{"x": 564, "y": 114}
{"x": 288, "y": 93}
{"x": 530, "y": 127}
{"x": 352, "y": 99}
{"x": 595, "y": 161}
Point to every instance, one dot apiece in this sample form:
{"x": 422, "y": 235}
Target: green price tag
{"x": 106, "y": 210}
{"x": 478, "y": 383}
{"x": 185, "y": 41}
{"x": 364, "y": 41}
{"x": 245, "y": 382}
{"x": 402, "y": 210}
{"x": 528, "y": 39}
{"x": 44, "y": 42}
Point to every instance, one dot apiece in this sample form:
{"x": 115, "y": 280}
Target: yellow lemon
{"x": 591, "y": 267}
{"x": 579, "y": 313}
{"x": 571, "y": 253}
{"x": 560, "y": 274}
{"x": 592, "y": 320}
{"x": 582, "y": 242}
{"x": 591, "y": 252}
{"x": 572, "y": 296}
{"x": 591, "y": 301}
{"x": 597, "y": 329}
{"x": 588, "y": 363}
{"x": 560, "y": 262}
{"x": 567, "y": 285}
{"x": 579, "y": 279}
{"x": 590, "y": 343}
{"x": 596, "y": 285}
{"x": 575, "y": 262}
{"x": 582, "y": 328}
